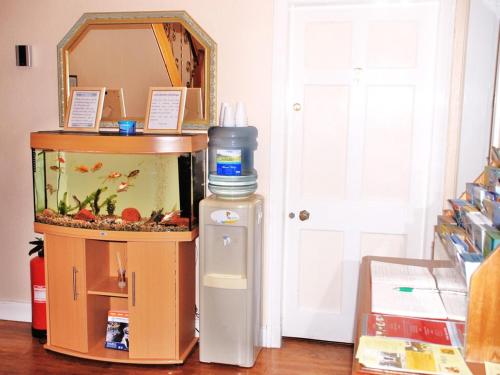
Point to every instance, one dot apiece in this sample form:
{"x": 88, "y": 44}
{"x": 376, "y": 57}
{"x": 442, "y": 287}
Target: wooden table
{"x": 364, "y": 304}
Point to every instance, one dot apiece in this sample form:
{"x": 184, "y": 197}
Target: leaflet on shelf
{"x": 390, "y": 354}
{"x": 441, "y": 332}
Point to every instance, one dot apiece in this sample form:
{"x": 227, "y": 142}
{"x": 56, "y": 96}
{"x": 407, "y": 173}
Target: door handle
{"x": 133, "y": 288}
{"x": 75, "y": 294}
{"x": 304, "y": 215}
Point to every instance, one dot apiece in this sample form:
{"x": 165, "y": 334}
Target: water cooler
{"x": 231, "y": 251}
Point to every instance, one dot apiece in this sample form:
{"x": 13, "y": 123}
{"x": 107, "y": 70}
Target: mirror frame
{"x": 116, "y": 18}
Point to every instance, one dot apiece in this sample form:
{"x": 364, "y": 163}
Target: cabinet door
{"x": 67, "y": 299}
{"x": 152, "y": 299}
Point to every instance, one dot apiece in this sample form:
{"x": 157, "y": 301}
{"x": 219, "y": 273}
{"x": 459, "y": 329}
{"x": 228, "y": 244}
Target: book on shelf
{"x": 460, "y": 208}
{"x": 399, "y": 355}
{"x": 469, "y": 262}
{"x": 458, "y": 244}
{"x": 117, "y": 330}
{"x": 441, "y": 332}
{"x": 399, "y": 289}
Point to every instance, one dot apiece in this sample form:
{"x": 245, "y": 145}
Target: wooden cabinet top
{"x": 118, "y": 144}
{"x": 115, "y": 235}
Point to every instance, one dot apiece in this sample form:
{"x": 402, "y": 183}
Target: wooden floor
{"x": 22, "y": 354}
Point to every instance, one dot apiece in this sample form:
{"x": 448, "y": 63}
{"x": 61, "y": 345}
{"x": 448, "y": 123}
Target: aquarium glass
{"x": 128, "y": 192}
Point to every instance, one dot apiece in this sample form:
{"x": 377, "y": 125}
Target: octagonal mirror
{"x": 127, "y": 53}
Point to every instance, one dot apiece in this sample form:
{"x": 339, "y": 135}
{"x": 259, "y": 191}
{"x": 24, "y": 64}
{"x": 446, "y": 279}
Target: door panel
{"x": 152, "y": 297}
{"x": 325, "y": 140}
{"x": 320, "y": 285}
{"x": 392, "y": 44}
{"x": 357, "y": 153}
{"x": 65, "y": 257}
{"x": 339, "y": 36}
{"x": 389, "y": 115}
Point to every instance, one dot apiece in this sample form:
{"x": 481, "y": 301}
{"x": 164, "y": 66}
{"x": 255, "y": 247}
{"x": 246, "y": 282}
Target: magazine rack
{"x": 482, "y": 330}
{"x": 482, "y": 341}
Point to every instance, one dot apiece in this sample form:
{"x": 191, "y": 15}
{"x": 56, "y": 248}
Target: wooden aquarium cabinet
{"x": 82, "y": 286}
{"x": 81, "y": 272}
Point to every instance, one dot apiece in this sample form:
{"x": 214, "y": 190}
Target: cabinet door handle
{"x": 133, "y": 288}
{"x": 74, "y": 283}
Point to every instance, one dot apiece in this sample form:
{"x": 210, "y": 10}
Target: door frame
{"x": 447, "y": 56}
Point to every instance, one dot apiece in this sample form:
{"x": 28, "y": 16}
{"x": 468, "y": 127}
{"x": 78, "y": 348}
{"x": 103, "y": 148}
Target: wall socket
{"x": 23, "y": 55}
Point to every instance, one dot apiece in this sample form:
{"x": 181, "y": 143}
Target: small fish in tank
{"x": 96, "y": 166}
{"x": 134, "y": 173}
{"x": 82, "y": 169}
{"x": 50, "y": 189}
{"x": 123, "y": 187}
{"x": 121, "y": 192}
{"x": 113, "y": 176}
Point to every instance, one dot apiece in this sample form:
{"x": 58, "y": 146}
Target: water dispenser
{"x": 231, "y": 247}
{"x": 230, "y": 280}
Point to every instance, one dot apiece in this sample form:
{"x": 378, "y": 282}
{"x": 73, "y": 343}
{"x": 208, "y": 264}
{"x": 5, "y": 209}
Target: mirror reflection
{"x": 129, "y": 58}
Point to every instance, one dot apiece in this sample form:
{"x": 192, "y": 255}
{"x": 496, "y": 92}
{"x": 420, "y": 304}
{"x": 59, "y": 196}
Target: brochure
{"x": 389, "y": 354}
{"x": 439, "y": 332}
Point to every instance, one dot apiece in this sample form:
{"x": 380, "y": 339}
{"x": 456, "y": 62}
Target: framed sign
{"x": 165, "y": 110}
{"x": 84, "y": 109}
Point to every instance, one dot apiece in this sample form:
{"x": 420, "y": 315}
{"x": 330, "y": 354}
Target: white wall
{"x": 28, "y": 96}
{"x": 478, "y": 91}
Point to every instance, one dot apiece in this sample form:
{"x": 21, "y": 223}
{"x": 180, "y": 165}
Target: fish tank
{"x": 91, "y": 181}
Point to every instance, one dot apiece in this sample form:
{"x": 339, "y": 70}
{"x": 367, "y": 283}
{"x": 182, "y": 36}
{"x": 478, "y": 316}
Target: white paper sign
{"x": 84, "y": 109}
{"x": 39, "y": 293}
{"x": 164, "y": 111}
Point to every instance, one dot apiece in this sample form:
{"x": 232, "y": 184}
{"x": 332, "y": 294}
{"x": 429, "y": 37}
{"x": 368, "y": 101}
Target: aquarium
{"x": 145, "y": 192}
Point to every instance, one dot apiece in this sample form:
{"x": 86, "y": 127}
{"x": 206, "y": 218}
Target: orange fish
{"x": 96, "y": 166}
{"x": 61, "y": 160}
{"x": 123, "y": 187}
{"x": 51, "y": 189}
{"x": 54, "y": 168}
{"x": 113, "y": 175}
{"x": 82, "y": 169}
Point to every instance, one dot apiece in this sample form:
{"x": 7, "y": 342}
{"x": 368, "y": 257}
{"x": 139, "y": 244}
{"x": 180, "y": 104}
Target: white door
{"x": 359, "y": 146}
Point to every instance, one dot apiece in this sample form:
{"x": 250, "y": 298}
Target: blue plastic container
{"x": 126, "y": 127}
{"x": 230, "y": 161}
{"x": 230, "y": 150}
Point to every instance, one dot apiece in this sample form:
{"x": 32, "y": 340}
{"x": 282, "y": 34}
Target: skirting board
{"x": 17, "y": 311}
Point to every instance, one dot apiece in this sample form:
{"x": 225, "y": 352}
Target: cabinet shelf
{"x": 108, "y": 287}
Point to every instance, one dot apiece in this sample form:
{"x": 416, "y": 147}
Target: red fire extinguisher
{"x": 38, "y": 294}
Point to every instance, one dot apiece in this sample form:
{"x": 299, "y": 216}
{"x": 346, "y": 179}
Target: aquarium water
{"x": 130, "y": 192}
